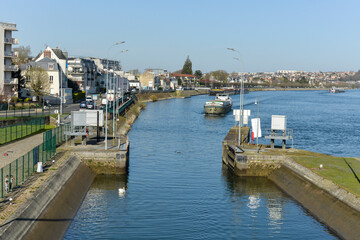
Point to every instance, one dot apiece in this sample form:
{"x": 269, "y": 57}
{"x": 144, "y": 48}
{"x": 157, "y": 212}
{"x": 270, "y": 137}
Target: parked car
{"x": 89, "y": 99}
{"x": 83, "y": 104}
{"x": 90, "y": 105}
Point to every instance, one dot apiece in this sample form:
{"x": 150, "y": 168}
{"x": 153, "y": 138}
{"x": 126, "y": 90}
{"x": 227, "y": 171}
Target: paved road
{"x": 19, "y": 148}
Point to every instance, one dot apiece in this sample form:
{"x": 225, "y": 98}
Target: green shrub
{"x": 153, "y": 98}
{"x": 78, "y": 96}
{"x": 14, "y": 99}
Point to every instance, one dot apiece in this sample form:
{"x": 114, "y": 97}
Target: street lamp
{"x": 107, "y": 85}
{"x": 116, "y": 105}
{"x": 241, "y": 99}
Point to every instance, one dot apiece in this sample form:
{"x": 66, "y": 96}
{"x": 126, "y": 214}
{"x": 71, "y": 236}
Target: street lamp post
{"x": 241, "y": 99}
{"x": 107, "y": 85}
{"x": 122, "y": 99}
{"x": 114, "y": 105}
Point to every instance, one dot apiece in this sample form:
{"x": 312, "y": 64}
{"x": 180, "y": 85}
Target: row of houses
{"x": 154, "y": 79}
{"x": 66, "y": 74}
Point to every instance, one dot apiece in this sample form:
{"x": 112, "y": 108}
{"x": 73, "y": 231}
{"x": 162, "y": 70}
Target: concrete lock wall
{"x": 338, "y": 216}
{"x": 332, "y": 205}
{"x": 51, "y": 209}
{"x": 106, "y": 161}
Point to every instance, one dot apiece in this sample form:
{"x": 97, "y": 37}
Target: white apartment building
{"x": 58, "y": 55}
{"x": 54, "y": 73}
{"x": 8, "y": 84}
{"x": 60, "y": 58}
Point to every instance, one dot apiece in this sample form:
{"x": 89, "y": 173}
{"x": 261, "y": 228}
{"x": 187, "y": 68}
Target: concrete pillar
{"x": 83, "y": 140}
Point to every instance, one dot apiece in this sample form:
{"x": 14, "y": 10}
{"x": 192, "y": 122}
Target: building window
{"x": 51, "y": 79}
{"x": 51, "y": 66}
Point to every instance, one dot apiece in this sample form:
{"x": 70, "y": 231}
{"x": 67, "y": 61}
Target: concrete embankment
{"x": 52, "y": 207}
{"x": 327, "y": 201}
{"x": 332, "y": 205}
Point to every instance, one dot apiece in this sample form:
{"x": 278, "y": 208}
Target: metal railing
{"x": 15, "y": 131}
{"x": 26, "y": 110}
{"x": 16, "y": 172}
{"x": 11, "y": 81}
{"x": 12, "y": 40}
{"x": 288, "y": 132}
{"x": 11, "y": 68}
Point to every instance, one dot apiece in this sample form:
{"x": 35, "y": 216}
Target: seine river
{"x": 177, "y": 187}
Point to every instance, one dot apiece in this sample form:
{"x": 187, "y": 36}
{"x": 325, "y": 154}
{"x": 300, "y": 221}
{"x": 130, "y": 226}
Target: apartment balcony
{"x": 75, "y": 73}
{"x": 11, "y": 54}
{"x": 9, "y": 26}
{"x": 12, "y": 68}
{"x": 11, "y": 81}
{"x": 11, "y": 41}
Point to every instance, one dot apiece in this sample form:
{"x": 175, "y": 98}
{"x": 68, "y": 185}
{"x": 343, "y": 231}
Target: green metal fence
{"x": 19, "y": 170}
{"x": 20, "y": 130}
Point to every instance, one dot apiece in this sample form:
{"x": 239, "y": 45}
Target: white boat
{"x": 336, "y": 90}
{"x": 221, "y": 105}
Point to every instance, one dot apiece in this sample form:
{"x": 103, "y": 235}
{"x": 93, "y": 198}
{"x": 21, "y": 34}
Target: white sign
{"x": 245, "y": 119}
{"x": 91, "y": 118}
{"x": 237, "y": 112}
{"x": 256, "y": 127}
{"x": 110, "y": 97}
{"x": 78, "y": 118}
{"x": 278, "y": 122}
{"x": 246, "y": 114}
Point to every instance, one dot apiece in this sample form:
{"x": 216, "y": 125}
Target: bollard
{"x": 39, "y": 167}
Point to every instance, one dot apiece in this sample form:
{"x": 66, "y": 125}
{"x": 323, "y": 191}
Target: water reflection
{"x": 110, "y": 182}
{"x": 256, "y": 199}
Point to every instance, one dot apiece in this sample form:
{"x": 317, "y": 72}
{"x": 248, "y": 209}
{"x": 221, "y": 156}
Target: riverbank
{"x": 287, "y": 89}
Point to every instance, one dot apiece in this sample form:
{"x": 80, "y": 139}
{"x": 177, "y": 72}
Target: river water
{"x": 177, "y": 187}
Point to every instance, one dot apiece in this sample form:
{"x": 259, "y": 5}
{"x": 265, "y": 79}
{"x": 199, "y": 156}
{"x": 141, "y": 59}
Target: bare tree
{"x": 39, "y": 83}
{"x": 23, "y": 55}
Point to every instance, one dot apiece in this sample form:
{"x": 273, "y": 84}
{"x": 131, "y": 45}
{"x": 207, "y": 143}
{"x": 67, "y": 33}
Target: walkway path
{"x": 17, "y": 149}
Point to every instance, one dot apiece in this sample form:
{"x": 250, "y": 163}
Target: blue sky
{"x": 271, "y": 35}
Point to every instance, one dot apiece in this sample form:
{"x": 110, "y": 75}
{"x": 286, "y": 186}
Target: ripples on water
{"x": 178, "y": 189}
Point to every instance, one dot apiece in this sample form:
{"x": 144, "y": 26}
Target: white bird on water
{"x": 122, "y": 191}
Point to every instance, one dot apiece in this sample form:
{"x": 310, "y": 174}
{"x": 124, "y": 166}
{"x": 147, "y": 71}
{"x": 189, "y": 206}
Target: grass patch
{"x": 48, "y": 127}
{"x": 334, "y": 168}
{"x": 153, "y": 98}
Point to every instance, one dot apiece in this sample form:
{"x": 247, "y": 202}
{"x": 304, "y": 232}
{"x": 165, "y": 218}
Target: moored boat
{"x": 221, "y": 105}
{"x": 336, "y": 90}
